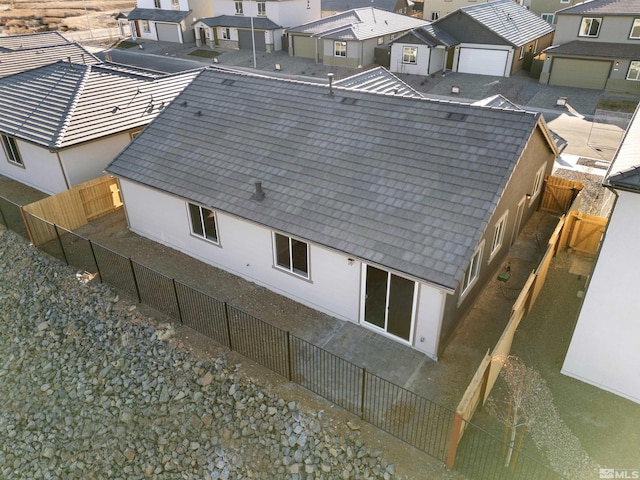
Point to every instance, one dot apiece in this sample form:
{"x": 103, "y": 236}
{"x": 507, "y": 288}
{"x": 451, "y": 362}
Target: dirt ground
{"x": 24, "y": 16}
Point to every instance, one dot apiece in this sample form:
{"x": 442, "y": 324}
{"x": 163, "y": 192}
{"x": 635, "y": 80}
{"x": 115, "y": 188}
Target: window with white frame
{"x": 226, "y": 33}
{"x": 435, "y": 15}
{"x": 634, "y": 71}
{"x": 548, "y": 17}
{"x": 340, "y": 49}
{"x": 175, "y": 4}
{"x": 380, "y": 40}
{"x": 145, "y": 26}
{"x": 11, "y": 150}
{"x": 409, "y": 54}
{"x": 498, "y": 234}
{"x": 203, "y": 223}
{"x": 291, "y": 255}
{"x": 473, "y": 271}
{"x": 156, "y": 3}
{"x": 262, "y": 8}
{"x": 521, "y": 52}
{"x": 635, "y": 29}
{"x": 239, "y": 9}
{"x": 590, "y": 27}
{"x": 537, "y": 183}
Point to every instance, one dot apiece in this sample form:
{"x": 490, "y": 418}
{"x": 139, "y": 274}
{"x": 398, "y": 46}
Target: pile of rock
{"x": 91, "y": 389}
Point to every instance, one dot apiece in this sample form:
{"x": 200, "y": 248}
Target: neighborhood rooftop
{"x": 64, "y": 104}
{"x": 157, "y": 15}
{"x": 624, "y": 171}
{"x": 608, "y": 7}
{"x": 402, "y": 182}
{"x": 358, "y": 24}
{"x": 378, "y": 80}
{"x": 15, "y": 61}
{"x": 235, "y": 21}
{"x": 509, "y": 20}
{"x": 31, "y": 40}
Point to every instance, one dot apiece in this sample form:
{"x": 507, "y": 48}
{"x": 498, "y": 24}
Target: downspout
{"x": 64, "y": 174}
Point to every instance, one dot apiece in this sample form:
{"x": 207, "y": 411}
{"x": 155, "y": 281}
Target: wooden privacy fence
{"x": 583, "y": 233}
{"x": 559, "y": 195}
{"x": 73, "y": 208}
{"x": 487, "y": 373}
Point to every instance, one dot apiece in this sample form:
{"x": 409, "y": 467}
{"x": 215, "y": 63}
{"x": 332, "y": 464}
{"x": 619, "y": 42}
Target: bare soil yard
{"x": 27, "y": 16}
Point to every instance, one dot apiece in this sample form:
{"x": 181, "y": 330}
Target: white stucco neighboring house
{"x": 605, "y": 347}
{"x": 61, "y": 124}
{"x": 167, "y": 20}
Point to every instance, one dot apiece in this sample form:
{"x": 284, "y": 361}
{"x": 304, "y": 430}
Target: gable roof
{"x": 430, "y": 35}
{"x": 235, "y": 21}
{"x": 358, "y": 24}
{"x": 31, "y": 40}
{"x": 342, "y": 5}
{"x": 158, "y": 15}
{"x": 624, "y": 171}
{"x": 403, "y": 182}
{"x": 60, "y": 105}
{"x": 507, "y": 19}
{"x": 378, "y": 80}
{"x": 608, "y": 7}
{"x": 15, "y": 61}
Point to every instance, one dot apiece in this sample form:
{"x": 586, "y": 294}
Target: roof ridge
{"x": 72, "y": 107}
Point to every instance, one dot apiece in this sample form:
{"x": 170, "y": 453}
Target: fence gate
{"x": 583, "y": 233}
{"x": 559, "y": 194}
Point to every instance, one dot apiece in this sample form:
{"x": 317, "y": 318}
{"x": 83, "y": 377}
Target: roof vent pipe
{"x": 259, "y": 194}
{"x": 330, "y": 75}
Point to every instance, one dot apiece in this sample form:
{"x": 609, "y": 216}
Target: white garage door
{"x": 168, "y": 32}
{"x": 483, "y": 62}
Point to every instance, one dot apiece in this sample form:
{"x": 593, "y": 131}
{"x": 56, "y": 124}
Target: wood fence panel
{"x": 559, "y": 194}
{"x": 541, "y": 276}
{"x": 100, "y": 196}
{"x": 586, "y": 234}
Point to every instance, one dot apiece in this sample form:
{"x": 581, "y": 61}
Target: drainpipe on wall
{"x": 64, "y": 174}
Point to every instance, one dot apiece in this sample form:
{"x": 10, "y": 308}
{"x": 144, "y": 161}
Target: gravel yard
{"x": 94, "y": 389}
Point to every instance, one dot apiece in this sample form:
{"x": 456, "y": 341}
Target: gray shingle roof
{"x": 15, "y": 61}
{"x": 608, "y": 7}
{"x": 158, "y": 15}
{"x": 595, "y": 49}
{"x": 32, "y": 40}
{"x": 234, "y": 21}
{"x": 61, "y": 105}
{"x": 342, "y": 5}
{"x": 624, "y": 171}
{"x": 379, "y": 80}
{"x": 509, "y": 20}
{"x": 388, "y": 179}
{"x": 358, "y": 24}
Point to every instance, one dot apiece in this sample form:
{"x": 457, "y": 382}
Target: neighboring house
{"x": 167, "y": 20}
{"x": 495, "y": 37}
{"x": 597, "y": 45}
{"x": 244, "y": 24}
{"x": 31, "y": 40}
{"x": 422, "y": 51}
{"x": 435, "y": 9}
{"x": 61, "y": 124}
{"x": 123, "y": 24}
{"x": 16, "y": 61}
{"x": 349, "y": 39}
{"x": 547, "y": 9}
{"x": 605, "y": 346}
{"x": 331, "y": 7}
{"x": 384, "y": 210}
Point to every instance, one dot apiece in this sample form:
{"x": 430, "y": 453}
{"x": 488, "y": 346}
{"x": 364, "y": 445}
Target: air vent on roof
{"x": 456, "y": 116}
{"x": 348, "y": 100}
{"x": 228, "y": 81}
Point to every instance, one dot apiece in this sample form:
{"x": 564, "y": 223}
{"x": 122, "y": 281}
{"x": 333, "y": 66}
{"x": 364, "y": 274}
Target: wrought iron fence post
{"x": 226, "y": 317}
{"x": 55, "y": 227}
{"x": 95, "y": 260}
{"x": 362, "y": 393}
{"x": 135, "y": 280}
{"x": 289, "y": 355}
{"x": 175, "y": 292}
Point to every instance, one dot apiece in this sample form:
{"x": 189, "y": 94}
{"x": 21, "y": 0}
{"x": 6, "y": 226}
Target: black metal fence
{"x": 411, "y": 418}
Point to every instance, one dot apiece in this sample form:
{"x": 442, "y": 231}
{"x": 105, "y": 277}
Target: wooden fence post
{"x": 454, "y": 440}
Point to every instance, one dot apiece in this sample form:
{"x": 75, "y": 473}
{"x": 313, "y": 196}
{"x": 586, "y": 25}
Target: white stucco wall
{"x": 41, "y": 168}
{"x": 246, "y": 249}
{"x": 421, "y": 67}
{"x": 88, "y": 161}
{"x": 605, "y": 347}
{"x": 286, "y": 13}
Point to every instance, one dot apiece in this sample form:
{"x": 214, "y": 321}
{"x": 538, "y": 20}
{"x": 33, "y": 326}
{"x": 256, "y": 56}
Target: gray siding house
{"x": 597, "y": 45}
{"x": 388, "y": 211}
